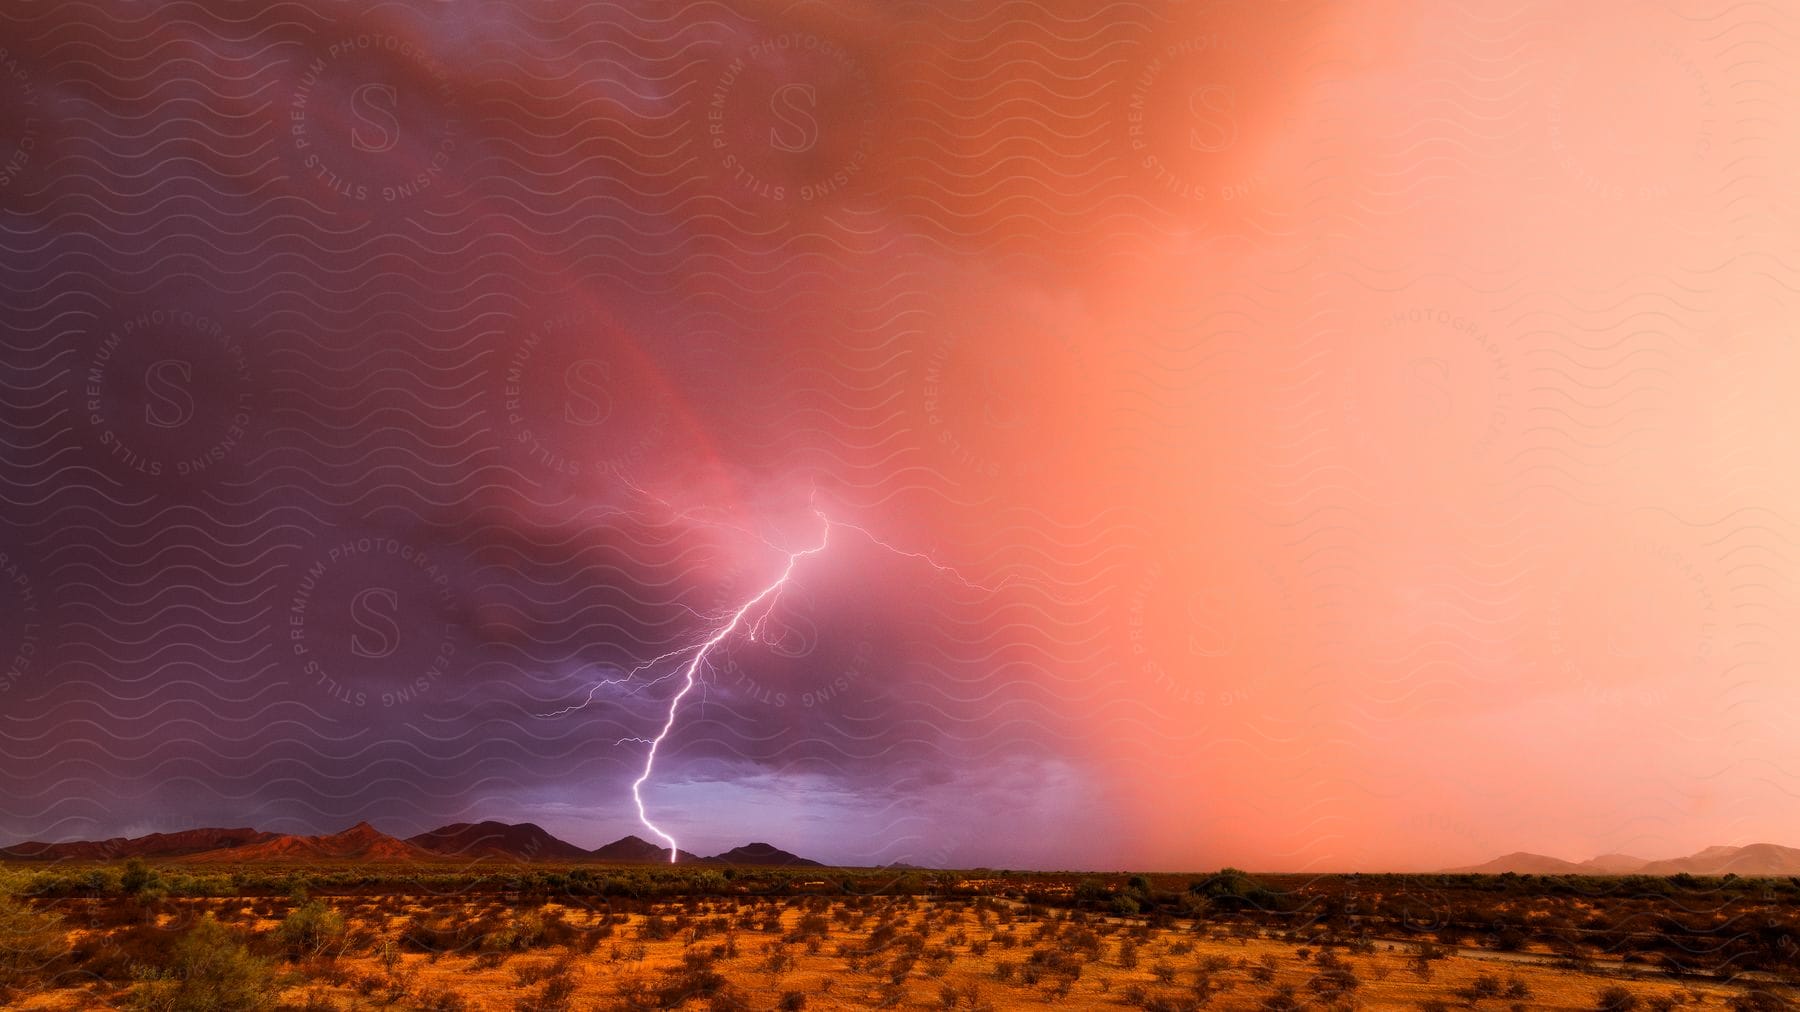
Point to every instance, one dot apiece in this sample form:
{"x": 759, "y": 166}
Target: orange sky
{"x": 1417, "y": 381}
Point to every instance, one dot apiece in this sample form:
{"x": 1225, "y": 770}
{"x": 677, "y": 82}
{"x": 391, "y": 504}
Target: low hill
{"x": 1757, "y": 859}
{"x": 361, "y": 842}
{"x": 1523, "y": 863}
{"x": 762, "y": 855}
{"x": 179, "y": 844}
{"x": 1614, "y": 864}
{"x": 523, "y": 841}
{"x": 636, "y": 850}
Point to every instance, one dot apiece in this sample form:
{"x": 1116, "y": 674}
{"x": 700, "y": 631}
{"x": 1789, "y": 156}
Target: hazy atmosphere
{"x": 1300, "y": 436}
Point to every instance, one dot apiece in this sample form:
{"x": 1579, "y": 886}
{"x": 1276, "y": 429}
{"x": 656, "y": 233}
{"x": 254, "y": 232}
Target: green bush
{"x": 210, "y": 970}
{"x": 311, "y": 929}
{"x": 523, "y": 930}
{"x": 29, "y": 942}
{"x": 136, "y": 878}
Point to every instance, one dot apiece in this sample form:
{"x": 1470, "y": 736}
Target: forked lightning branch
{"x": 692, "y": 659}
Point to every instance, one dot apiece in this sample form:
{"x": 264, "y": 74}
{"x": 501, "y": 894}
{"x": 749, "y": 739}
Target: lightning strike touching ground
{"x": 690, "y": 672}
{"x": 693, "y": 667}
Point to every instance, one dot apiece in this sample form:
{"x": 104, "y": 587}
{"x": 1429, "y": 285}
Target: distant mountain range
{"x": 527, "y": 842}
{"x": 1757, "y": 859}
{"x": 468, "y": 841}
{"x": 361, "y": 842}
{"x": 188, "y": 841}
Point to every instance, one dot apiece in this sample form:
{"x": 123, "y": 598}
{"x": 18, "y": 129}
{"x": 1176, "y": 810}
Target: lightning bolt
{"x": 689, "y": 672}
{"x": 693, "y": 667}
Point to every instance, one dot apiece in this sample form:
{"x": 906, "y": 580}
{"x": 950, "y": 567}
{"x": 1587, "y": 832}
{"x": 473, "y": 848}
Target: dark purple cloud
{"x": 340, "y": 346}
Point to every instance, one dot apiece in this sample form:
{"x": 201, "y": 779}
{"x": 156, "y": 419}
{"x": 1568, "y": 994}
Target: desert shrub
{"x": 776, "y": 962}
{"x": 1282, "y": 1000}
{"x": 209, "y": 970}
{"x": 557, "y": 989}
{"x": 537, "y": 971}
{"x": 1336, "y": 980}
{"x": 521, "y": 931}
{"x": 1421, "y": 961}
{"x": 694, "y": 978}
{"x": 810, "y": 926}
{"x": 1058, "y": 962}
{"x": 1483, "y": 987}
{"x": 317, "y": 1001}
{"x": 137, "y": 878}
{"x": 555, "y": 996}
{"x": 1616, "y": 999}
{"x": 311, "y": 929}
{"x": 29, "y": 943}
{"x": 1264, "y": 970}
{"x": 1091, "y": 892}
{"x": 440, "y": 999}
{"x": 423, "y": 933}
{"x": 1206, "y": 978}
{"x": 1232, "y": 890}
{"x": 656, "y": 928}
{"x": 634, "y": 991}
{"x": 1759, "y": 998}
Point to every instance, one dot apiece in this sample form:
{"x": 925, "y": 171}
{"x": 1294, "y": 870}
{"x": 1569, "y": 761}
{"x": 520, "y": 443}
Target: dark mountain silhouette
{"x": 488, "y": 840}
{"x": 1755, "y": 859}
{"x": 762, "y": 854}
{"x": 523, "y": 841}
{"x": 361, "y": 842}
{"x": 187, "y": 841}
{"x": 636, "y": 850}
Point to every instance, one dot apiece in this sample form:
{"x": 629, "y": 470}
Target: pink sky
{"x": 1398, "y": 398}
{"x": 1469, "y": 459}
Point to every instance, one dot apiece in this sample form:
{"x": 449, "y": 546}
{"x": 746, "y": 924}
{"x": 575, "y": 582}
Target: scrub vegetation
{"x": 515, "y": 937}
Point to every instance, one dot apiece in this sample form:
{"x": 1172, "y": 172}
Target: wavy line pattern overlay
{"x": 1358, "y": 434}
